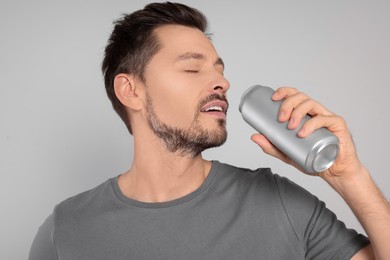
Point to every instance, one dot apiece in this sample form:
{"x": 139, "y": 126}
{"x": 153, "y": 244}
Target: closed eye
{"x": 192, "y": 71}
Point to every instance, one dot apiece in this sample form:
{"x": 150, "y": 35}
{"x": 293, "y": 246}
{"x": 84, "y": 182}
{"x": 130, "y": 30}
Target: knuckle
{"x": 341, "y": 120}
{"x": 285, "y": 106}
{"x": 300, "y": 97}
{"x": 314, "y": 121}
{"x": 267, "y": 150}
{"x": 288, "y": 89}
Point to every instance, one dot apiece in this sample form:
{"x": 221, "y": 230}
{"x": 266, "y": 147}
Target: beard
{"x": 190, "y": 141}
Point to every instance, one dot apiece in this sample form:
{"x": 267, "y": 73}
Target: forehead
{"x": 175, "y": 40}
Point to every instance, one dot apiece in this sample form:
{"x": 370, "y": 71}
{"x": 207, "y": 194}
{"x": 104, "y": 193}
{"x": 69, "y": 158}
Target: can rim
{"x": 330, "y": 145}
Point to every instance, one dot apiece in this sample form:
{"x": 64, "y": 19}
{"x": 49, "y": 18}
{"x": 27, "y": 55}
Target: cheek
{"x": 173, "y": 109}
{"x": 172, "y": 101}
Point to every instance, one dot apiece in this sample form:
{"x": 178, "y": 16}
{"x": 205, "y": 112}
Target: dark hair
{"x": 133, "y": 43}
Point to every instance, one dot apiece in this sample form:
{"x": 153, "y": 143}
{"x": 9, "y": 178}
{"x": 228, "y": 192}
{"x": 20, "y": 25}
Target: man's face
{"x": 185, "y": 89}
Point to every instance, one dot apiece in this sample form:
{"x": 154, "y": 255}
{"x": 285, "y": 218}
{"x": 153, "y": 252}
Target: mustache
{"x": 211, "y": 98}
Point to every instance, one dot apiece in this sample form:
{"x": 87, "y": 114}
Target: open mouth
{"x": 217, "y": 108}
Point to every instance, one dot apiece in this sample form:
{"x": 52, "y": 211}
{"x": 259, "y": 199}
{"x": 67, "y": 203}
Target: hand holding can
{"x": 314, "y": 153}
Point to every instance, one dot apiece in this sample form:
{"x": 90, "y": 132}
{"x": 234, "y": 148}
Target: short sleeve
{"x": 43, "y": 245}
{"x": 322, "y": 235}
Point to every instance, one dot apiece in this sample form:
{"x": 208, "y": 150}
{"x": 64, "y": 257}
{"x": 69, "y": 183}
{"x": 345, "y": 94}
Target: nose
{"x": 221, "y": 85}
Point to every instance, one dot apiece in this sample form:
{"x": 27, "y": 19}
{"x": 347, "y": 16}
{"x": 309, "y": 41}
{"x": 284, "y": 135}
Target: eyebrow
{"x": 198, "y": 56}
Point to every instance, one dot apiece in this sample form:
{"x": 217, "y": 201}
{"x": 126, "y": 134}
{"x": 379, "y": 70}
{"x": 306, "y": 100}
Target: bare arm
{"x": 370, "y": 207}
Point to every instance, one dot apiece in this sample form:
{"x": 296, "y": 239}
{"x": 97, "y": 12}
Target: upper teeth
{"x": 214, "y": 108}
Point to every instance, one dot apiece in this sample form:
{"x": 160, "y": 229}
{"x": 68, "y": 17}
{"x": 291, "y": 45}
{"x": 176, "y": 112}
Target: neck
{"x": 157, "y": 175}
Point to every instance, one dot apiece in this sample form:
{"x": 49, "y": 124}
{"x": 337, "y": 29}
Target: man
{"x": 165, "y": 80}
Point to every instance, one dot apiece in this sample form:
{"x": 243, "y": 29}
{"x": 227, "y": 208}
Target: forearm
{"x": 370, "y": 207}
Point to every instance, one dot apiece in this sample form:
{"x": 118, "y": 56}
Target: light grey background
{"x": 59, "y": 135}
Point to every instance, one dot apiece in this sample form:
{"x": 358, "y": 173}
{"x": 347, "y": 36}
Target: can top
{"x": 248, "y": 92}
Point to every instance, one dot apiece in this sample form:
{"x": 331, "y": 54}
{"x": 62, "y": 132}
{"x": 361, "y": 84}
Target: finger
{"x": 334, "y": 123}
{"x": 284, "y": 92}
{"x": 289, "y": 104}
{"x": 307, "y": 107}
{"x": 269, "y": 148}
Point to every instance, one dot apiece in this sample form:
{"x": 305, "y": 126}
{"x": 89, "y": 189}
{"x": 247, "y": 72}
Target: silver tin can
{"x": 314, "y": 153}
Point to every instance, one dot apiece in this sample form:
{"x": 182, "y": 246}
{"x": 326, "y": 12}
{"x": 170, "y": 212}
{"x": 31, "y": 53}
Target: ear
{"x": 125, "y": 87}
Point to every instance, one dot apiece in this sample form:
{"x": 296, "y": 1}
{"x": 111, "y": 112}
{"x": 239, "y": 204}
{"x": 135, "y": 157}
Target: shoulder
{"x": 66, "y": 213}
{"x": 43, "y": 244}
{"x": 262, "y": 177}
{"x": 272, "y": 188}
{"x": 84, "y": 204}
{"x": 243, "y": 174}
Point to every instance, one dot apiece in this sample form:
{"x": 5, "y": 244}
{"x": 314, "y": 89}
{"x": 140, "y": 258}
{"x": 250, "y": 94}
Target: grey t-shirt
{"x": 235, "y": 214}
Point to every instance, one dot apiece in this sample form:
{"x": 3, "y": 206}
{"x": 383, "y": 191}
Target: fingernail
{"x": 302, "y": 132}
{"x": 275, "y": 95}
